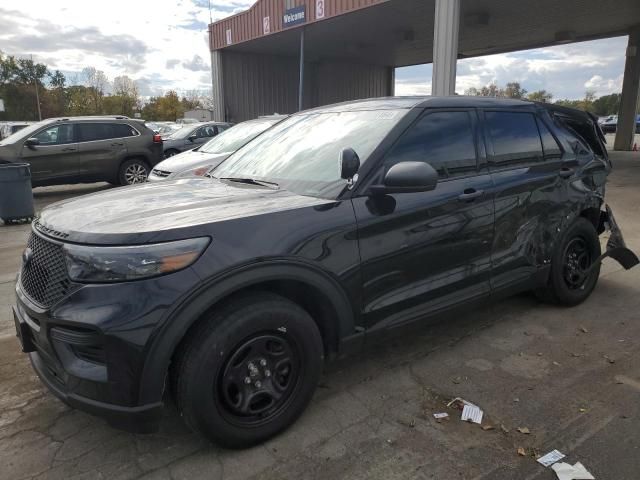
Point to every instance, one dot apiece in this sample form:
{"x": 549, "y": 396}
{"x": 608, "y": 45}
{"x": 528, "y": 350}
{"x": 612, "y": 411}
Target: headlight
{"x": 90, "y": 264}
{"x": 192, "y": 172}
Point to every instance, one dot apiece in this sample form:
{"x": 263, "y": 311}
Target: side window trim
{"x": 473, "y": 119}
{"x": 540, "y": 121}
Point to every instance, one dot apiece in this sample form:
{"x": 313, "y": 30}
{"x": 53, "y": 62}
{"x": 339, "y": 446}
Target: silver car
{"x": 191, "y": 136}
{"x": 202, "y": 159}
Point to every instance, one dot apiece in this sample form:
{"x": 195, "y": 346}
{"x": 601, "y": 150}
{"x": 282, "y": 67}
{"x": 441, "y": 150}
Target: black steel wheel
{"x": 257, "y": 380}
{"x": 573, "y": 274}
{"x": 246, "y": 373}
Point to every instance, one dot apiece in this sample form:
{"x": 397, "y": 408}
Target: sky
{"x": 163, "y": 45}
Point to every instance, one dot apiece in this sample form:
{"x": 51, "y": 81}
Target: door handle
{"x": 470, "y": 194}
{"x": 566, "y": 172}
{"x": 69, "y": 149}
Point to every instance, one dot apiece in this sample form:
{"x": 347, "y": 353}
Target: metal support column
{"x": 301, "y": 84}
{"x": 630, "y": 89}
{"x": 445, "y": 47}
{"x": 217, "y": 90}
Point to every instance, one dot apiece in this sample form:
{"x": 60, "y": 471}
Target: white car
{"x": 202, "y": 159}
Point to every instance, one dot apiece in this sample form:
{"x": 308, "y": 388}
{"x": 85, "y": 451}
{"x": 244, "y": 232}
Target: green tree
{"x": 514, "y": 90}
{"x": 540, "y": 96}
{"x": 607, "y": 104}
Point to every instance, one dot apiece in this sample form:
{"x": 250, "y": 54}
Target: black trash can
{"x": 16, "y": 196}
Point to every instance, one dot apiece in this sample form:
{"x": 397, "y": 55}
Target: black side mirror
{"x": 31, "y": 142}
{"x": 408, "y": 177}
{"x": 349, "y": 163}
{"x": 192, "y": 137}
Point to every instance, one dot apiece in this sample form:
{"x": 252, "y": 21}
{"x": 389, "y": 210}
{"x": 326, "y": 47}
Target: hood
{"x": 188, "y": 160}
{"x": 161, "y": 211}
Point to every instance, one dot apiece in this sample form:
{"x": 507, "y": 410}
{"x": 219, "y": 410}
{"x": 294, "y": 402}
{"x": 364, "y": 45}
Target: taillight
{"x": 157, "y": 138}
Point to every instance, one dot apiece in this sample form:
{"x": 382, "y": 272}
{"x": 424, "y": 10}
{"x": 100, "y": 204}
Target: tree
{"x": 96, "y": 81}
{"x": 19, "y": 78}
{"x": 540, "y": 96}
{"x": 514, "y": 90}
{"x": 607, "y": 104}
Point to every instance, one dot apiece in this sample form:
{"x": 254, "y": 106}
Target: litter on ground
{"x": 564, "y": 471}
{"x": 550, "y": 458}
{"x": 471, "y": 413}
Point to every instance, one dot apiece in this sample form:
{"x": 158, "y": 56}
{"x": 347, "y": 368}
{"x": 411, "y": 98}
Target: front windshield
{"x": 302, "y": 153}
{"x": 233, "y": 138}
{"x": 23, "y": 133}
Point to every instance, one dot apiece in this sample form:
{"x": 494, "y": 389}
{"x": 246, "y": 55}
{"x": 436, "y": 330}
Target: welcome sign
{"x": 294, "y": 16}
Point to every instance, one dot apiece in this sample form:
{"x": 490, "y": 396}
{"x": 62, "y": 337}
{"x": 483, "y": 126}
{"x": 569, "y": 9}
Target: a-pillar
{"x": 445, "y": 46}
{"x": 630, "y": 90}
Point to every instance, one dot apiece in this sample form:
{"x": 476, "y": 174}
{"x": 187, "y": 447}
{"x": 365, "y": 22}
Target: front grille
{"x": 160, "y": 173}
{"x": 44, "y": 277}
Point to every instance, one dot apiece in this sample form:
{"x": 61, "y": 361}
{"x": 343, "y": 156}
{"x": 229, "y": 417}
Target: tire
{"x": 133, "y": 171}
{"x": 170, "y": 153}
{"x": 578, "y": 248}
{"x": 232, "y": 367}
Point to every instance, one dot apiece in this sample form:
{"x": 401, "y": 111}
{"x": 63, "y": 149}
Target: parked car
{"x": 611, "y": 124}
{"x": 332, "y": 227}
{"x": 9, "y": 128}
{"x": 202, "y": 159}
{"x": 190, "y": 136}
{"x": 113, "y": 149}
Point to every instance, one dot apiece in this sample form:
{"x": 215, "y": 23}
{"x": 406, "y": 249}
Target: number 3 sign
{"x": 319, "y": 8}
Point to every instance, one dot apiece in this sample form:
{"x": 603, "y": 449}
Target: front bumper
{"x": 616, "y": 246}
{"x": 90, "y": 348}
{"x": 137, "y": 419}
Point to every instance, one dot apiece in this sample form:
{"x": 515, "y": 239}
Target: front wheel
{"x": 248, "y": 372}
{"x": 133, "y": 171}
{"x": 572, "y": 277}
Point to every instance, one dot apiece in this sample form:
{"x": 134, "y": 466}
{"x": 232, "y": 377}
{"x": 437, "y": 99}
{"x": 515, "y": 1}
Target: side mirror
{"x": 349, "y": 163}
{"x": 407, "y": 177}
{"x": 192, "y": 137}
{"x": 31, "y": 142}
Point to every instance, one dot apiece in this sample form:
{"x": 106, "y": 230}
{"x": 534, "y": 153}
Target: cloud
{"x": 172, "y": 63}
{"x": 162, "y": 49}
{"x": 196, "y": 64}
{"x": 566, "y": 71}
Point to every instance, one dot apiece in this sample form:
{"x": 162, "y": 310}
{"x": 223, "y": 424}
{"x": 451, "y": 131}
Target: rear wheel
{"x": 249, "y": 371}
{"x": 170, "y": 153}
{"x": 133, "y": 171}
{"x": 572, "y": 279}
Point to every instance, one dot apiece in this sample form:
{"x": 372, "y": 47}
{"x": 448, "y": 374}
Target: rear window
{"x": 515, "y": 138}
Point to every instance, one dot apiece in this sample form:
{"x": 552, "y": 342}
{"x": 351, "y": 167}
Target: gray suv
{"x": 115, "y": 149}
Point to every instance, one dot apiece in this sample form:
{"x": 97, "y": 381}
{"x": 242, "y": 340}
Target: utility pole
{"x": 35, "y": 84}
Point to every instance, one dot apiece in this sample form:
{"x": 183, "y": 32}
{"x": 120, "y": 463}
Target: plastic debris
{"x": 564, "y": 471}
{"x": 460, "y": 401}
{"x": 523, "y": 430}
{"x": 471, "y": 413}
{"x": 439, "y": 416}
{"x": 550, "y": 458}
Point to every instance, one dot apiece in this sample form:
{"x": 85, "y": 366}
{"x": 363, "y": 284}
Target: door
{"x": 531, "y": 194}
{"x": 55, "y": 158}
{"x": 102, "y": 148}
{"x": 424, "y": 252}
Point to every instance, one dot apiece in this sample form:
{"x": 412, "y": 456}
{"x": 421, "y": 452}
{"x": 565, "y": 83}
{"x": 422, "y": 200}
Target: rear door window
{"x": 515, "y": 138}
{"x": 89, "y": 132}
{"x": 443, "y": 139}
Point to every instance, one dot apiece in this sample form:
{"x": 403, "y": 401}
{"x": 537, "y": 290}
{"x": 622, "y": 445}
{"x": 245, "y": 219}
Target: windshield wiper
{"x": 252, "y": 181}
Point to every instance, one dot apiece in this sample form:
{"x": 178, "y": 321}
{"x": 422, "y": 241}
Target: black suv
{"x": 115, "y": 149}
{"x": 336, "y": 224}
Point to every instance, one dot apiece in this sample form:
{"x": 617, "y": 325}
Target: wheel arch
{"x": 321, "y": 294}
